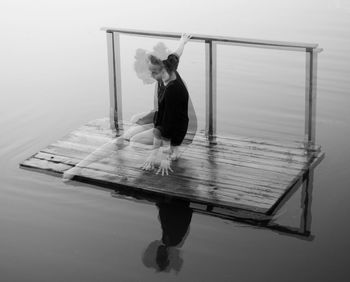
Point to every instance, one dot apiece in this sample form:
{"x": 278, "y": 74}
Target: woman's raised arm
{"x": 185, "y": 37}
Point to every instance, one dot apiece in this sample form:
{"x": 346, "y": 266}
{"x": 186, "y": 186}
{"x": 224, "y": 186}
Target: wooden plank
{"x": 237, "y": 174}
{"x": 272, "y": 176}
{"x": 224, "y": 156}
{"x": 79, "y": 147}
{"x": 220, "y": 156}
{"x": 264, "y": 149}
{"x": 45, "y": 165}
{"x": 211, "y": 153}
{"x": 239, "y": 197}
{"x": 57, "y": 158}
{"x": 295, "y": 147}
{"x": 247, "y": 150}
{"x": 221, "y": 187}
{"x": 129, "y": 163}
{"x": 252, "y": 150}
{"x": 175, "y": 182}
{"x": 82, "y": 151}
{"x": 292, "y": 144}
{"x": 253, "y": 193}
{"x": 298, "y": 149}
{"x": 223, "y": 200}
{"x": 100, "y": 126}
{"x": 196, "y": 194}
{"x": 231, "y": 177}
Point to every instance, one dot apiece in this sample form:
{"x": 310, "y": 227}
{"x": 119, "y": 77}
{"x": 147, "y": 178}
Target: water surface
{"x": 54, "y": 79}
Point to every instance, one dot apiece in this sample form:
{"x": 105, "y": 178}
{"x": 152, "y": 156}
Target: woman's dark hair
{"x": 169, "y": 64}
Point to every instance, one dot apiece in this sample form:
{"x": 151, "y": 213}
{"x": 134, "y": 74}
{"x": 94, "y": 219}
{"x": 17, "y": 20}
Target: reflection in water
{"x": 164, "y": 255}
{"x": 302, "y": 231}
{"x": 175, "y": 218}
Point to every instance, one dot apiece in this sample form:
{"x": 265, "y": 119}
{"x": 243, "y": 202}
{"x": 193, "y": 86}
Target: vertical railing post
{"x": 310, "y": 96}
{"x": 115, "y": 86}
{"x": 306, "y": 200}
{"x": 210, "y": 81}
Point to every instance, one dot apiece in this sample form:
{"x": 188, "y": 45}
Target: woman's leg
{"x": 106, "y": 149}
{"x": 99, "y": 154}
{"x": 134, "y": 128}
{"x": 145, "y": 137}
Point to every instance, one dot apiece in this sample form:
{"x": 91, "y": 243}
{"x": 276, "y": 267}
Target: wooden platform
{"x": 238, "y": 172}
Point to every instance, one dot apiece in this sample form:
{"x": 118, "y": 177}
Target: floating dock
{"x": 232, "y": 173}
{"x": 236, "y": 172}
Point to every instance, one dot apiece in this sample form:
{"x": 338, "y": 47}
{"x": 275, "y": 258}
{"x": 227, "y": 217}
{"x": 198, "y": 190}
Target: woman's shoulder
{"x": 174, "y": 84}
{"x": 175, "y": 87}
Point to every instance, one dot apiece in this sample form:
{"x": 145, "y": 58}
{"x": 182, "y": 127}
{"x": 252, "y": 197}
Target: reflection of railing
{"x": 311, "y": 50}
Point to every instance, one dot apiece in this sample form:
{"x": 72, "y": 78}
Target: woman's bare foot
{"x": 68, "y": 175}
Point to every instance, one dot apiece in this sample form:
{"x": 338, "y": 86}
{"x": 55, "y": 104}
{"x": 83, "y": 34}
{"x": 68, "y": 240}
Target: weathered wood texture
{"x": 235, "y": 172}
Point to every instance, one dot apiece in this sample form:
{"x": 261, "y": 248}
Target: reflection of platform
{"x": 244, "y": 173}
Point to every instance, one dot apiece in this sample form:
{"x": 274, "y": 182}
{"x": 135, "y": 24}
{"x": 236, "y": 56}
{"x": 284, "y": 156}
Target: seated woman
{"x": 150, "y": 65}
{"x": 163, "y": 127}
{"x": 171, "y": 120}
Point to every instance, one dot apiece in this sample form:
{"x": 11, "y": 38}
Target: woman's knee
{"x": 136, "y": 117}
{"x": 143, "y": 137}
{"x": 134, "y": 130}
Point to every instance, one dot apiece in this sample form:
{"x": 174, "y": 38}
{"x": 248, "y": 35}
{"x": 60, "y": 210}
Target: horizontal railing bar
{"x": 226, "y": 39}
{"x": 271, "y": 47}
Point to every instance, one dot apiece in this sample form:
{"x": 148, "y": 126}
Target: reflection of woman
{"x": 164, "y": 255}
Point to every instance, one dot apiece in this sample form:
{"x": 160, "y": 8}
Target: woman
{"x": 171, "y": 119}
{"x": 171, "y": 112}
{"x": 163, "y": 127}
{"x": 150, "y": 67}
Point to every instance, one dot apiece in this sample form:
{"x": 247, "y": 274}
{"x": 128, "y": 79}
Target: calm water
{"x": 54, "y": 78}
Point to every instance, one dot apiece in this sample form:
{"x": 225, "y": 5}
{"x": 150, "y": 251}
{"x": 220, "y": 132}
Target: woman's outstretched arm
{"x": 184, "y": 39}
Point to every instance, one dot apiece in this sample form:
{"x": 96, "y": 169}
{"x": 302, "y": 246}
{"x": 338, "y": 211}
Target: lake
{"x": 54, "y": 78}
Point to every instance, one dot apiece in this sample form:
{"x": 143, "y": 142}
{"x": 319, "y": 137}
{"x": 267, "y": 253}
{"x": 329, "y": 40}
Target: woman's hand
{"x": 150, "y": 162}
{"x": 164, "y": 167}
{"x": 185, "y": 37}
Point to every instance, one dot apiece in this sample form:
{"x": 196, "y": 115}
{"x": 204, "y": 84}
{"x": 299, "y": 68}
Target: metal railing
{"x": 211, "y": 42}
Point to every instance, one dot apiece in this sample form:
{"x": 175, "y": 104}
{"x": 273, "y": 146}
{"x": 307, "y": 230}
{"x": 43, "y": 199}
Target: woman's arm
{"x": 148, "y": 118}
{"x": 184, "y": 39}
{"x": 173, "y": 103}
